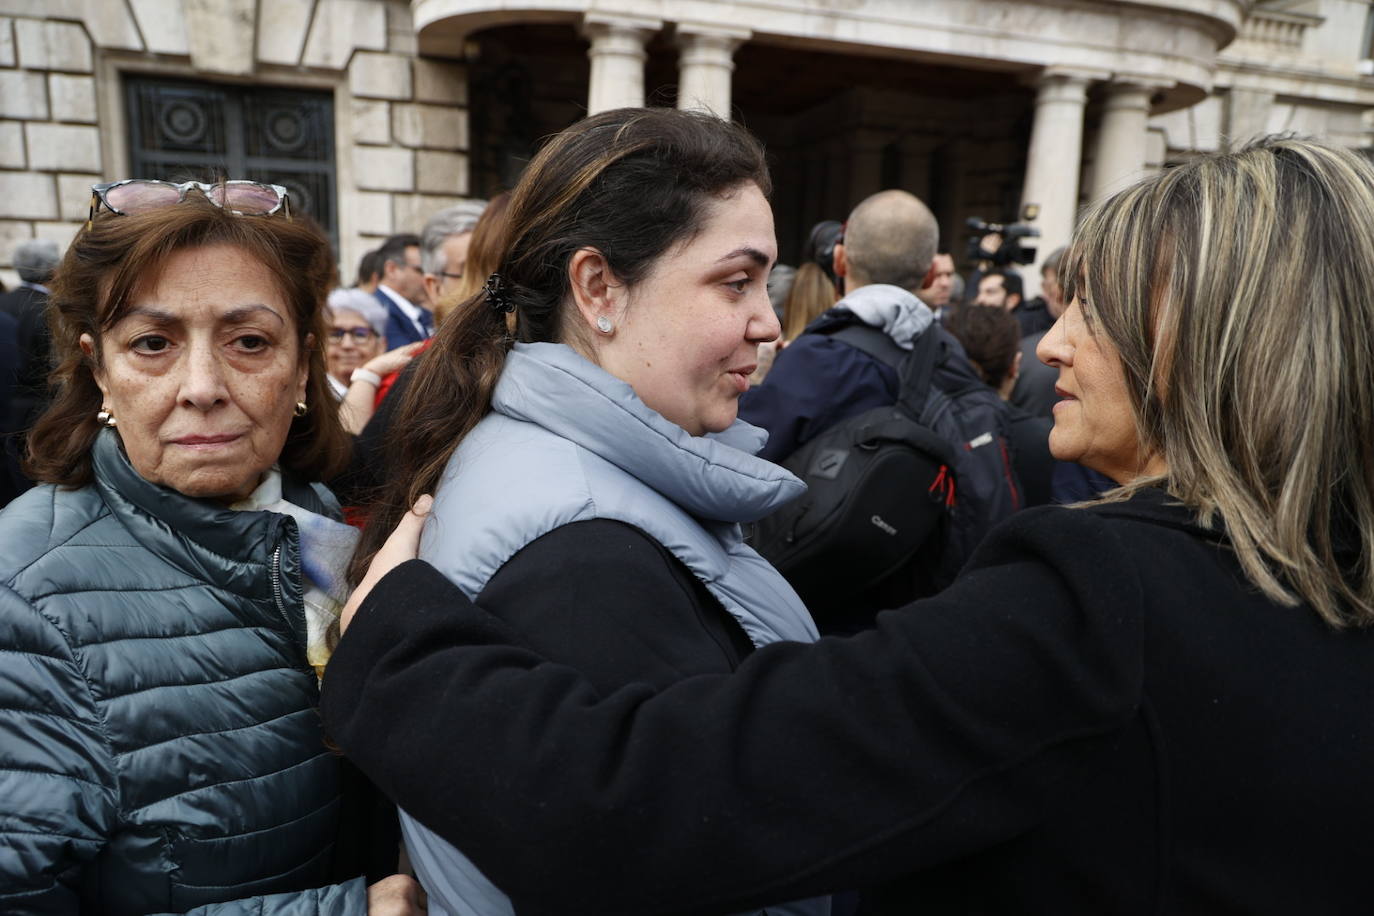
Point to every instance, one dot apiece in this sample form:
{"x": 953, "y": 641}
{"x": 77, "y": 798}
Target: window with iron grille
{"x": 181, "y": 130}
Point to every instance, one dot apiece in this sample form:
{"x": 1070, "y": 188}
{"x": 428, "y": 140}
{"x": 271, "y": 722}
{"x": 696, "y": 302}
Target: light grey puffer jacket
{"x": 160, "y": 748}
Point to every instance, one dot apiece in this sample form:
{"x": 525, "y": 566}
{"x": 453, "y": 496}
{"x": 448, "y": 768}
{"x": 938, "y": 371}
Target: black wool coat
{"x": 1100, "y": 716}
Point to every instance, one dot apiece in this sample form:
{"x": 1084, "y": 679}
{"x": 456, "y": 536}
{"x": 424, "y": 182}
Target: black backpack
{"x": 878, "y": 485}
{"x": 969, "y": 415}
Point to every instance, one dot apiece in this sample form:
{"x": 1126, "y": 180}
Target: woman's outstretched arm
{"x": 949, "y": 727}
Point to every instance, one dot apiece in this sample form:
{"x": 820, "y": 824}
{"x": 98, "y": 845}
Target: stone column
{"x": 617, "y": 56}
{"x": 705, "y": 65}
{"x": 1054, "y": 159}
{"x": 1119, "y": 156}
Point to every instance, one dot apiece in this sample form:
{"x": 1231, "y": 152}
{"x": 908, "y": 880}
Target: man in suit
{"x": 402, "y": 291}
{"x": 36, "y": 261}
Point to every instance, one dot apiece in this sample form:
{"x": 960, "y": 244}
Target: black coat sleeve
{"x": 946, "y": 729}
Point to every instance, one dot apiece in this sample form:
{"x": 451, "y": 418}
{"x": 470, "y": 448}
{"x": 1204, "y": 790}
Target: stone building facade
{"x": 378, "y": 112}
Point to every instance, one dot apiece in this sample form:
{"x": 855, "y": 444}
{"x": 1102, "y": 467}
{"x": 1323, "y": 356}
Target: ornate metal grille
{"x": 183, "y": 131}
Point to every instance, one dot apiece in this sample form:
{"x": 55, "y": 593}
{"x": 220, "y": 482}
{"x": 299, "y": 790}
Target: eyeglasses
{"x": 359, "y": 335}
{"x": 139, "y": 195}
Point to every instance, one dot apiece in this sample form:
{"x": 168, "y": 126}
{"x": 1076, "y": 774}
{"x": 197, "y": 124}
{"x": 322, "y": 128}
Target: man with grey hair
{"x": 36, "y": 261}
{"x": 444, "y": 246}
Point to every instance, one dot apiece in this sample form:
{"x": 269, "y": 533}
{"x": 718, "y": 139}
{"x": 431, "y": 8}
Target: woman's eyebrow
{"x": 753, "y": 254}
{"x": 244, "y": 311}
{"x": 157, "y": 315}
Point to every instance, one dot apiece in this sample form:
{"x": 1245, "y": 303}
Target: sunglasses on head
{"x": 139, "y": 195}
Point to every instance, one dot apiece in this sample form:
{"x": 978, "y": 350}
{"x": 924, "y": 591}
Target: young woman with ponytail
{"x": 576, "y": 422}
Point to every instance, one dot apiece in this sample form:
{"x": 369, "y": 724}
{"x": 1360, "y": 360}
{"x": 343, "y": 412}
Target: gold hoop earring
{"x": 105, "y": 418}
{"x": 301, "y": 408}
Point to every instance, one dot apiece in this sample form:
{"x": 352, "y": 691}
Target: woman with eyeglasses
{"x": 355, "y": 359}
{"x": 169, "y": 595}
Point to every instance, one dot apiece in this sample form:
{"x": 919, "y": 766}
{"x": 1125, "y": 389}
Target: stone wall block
{"x": 220, "y": 35}
{"x": 440, "y": 81}
{"x": 6, "y": 42}
{"x": 163, "y": 24}
{"x": 281, "y": 30}
{"x": 74, "y": 195}
{"x": 371, "y": 121}
{"x": 27, "y": 195}
{"x": 111, "y": 24}
{"x": 384, "y": 169}
{"x": 73, "y": 98}
{"x": 47, "y": 45}
{"x": 370, "y": 212}
{"x": 23, "y": 95}
{"x": 432, "y": 126}
{"x": 440, "y": 172}
{"x": 61, "y": 233}
{"x": 63, "y": 147}
{"x": 340, "y": 27}
{"x": 380, "y": 76}
{"x": 12, "y": 145}
{"x": 400, "y": 30}
{"x": 412, "y": 211}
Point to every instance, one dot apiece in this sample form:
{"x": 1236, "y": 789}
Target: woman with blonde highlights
{"x": 1155, "y": 703}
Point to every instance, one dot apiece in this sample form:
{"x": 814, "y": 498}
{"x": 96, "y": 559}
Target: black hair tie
{"x": 498, "y": 294}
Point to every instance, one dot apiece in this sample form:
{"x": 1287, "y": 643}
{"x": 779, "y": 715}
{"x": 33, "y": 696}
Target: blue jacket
{"x": 400, "y": 330}
{"x": 568, "y": 442}
{"x": 160, "y": 747}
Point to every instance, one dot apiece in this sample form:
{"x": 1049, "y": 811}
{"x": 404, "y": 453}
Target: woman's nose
{"x": 764, "y": 326}
{"x": 203, "y": 378}
{"x": 1054, "y": 348}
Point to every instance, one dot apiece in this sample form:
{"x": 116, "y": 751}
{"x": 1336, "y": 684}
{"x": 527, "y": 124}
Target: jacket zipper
{"x": 276, "y": 580}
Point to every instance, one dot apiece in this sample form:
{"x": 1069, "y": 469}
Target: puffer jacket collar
{"x": 226, "y": 548}
{"x": 712, "y": 477}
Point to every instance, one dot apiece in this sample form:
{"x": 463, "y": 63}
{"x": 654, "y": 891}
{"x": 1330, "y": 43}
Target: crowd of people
{"x": 472, "y": 587}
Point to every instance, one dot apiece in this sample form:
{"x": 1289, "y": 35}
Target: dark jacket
{"x": 400, "y": 330}
{"x": 160, "y": 747}
{"x": 28, "y": 307}
{"x": 1030, "y": 449}
{"x": 11, "y": 480}
{"x": 1034, "y": 390}
{"x": 818, "y": 381}
{"x": 1033, "y": 315}
{"x": 1099, "y": 716}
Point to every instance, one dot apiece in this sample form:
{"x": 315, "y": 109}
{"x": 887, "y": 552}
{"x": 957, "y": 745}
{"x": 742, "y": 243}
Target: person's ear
{"x": 597, "y": 292}
{"x": 431, "y": 282}
{"x": 841, "y": 261}
{"x": 929, "y": 280}
{"x": 87, "y": 344}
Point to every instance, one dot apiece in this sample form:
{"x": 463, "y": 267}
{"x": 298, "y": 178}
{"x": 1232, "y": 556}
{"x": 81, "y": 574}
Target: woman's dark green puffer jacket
{"x": 160, "y": 748}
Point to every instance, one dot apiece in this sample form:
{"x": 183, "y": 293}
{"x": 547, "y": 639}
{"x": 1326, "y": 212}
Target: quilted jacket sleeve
{"x": 347, "y": 899}
{"x": 57, "y": 786}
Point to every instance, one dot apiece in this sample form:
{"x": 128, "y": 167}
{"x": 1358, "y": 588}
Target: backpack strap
{"x": 915, "y": 367}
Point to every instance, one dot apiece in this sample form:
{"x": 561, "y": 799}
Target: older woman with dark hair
{"x": 1155, "y": 704}
{"x": 168, "y": 597}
